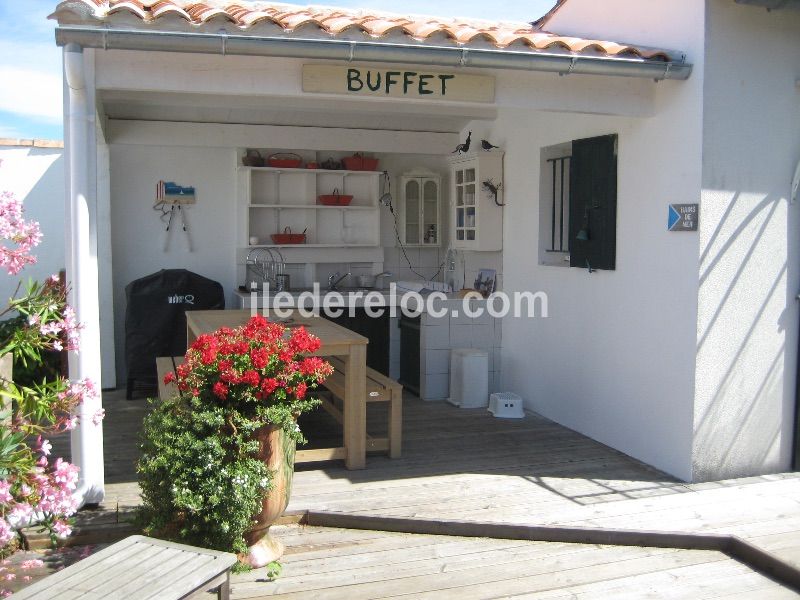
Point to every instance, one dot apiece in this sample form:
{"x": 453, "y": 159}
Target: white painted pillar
{"x": 81, "y": 236}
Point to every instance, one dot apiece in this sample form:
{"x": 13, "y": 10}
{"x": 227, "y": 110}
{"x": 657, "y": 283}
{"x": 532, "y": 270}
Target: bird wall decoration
{"x": 487, "y": 145}
{"x": 464, "y": 148}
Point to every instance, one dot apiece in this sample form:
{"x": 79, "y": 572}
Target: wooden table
{"x": 336, "y": 341}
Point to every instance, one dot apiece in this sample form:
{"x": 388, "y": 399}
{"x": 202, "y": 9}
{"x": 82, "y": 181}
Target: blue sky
{"x": 30, "y": 62}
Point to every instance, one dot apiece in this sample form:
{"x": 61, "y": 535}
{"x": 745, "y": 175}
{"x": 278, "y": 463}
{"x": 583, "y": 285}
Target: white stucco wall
{"x": 36, "y": 175}
{"x": 615, "y": 358}
{"x": 137, "y": 234}
{"x": 625, "y": 356}
{"x": 747, "y": 322}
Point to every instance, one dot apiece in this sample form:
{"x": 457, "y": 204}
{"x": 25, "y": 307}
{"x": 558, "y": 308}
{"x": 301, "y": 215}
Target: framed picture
{"x": 485, "y": 282}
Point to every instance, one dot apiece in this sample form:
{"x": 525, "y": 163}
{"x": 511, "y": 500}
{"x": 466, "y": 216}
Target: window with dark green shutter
{"x": 593, "y": 203}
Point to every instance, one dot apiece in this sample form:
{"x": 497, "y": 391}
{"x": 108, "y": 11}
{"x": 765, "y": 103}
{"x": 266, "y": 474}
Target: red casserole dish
{"x": 360, "y": 163}
{"x": 284, "y": 160}
{"x": 287, "y": 237}
{"x": 335, "y": 199}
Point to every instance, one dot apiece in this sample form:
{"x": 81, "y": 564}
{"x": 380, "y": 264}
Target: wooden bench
{"x": 379, "y": 389}
{"x": 139, "y": 567}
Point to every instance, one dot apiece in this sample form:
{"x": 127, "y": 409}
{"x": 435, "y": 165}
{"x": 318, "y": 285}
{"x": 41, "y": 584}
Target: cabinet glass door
{"x": 465, "y": 201}
{"x": 412, "y": 212}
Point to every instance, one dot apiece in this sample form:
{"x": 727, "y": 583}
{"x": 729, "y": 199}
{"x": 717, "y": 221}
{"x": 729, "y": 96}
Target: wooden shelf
{"x": 272, "y": 199}
{"x": 313, "y": 206}
{"x": 309, "y": 171}
{"x": 342, "y": 245}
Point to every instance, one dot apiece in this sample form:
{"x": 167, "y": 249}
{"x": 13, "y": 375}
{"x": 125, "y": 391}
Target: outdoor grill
{"x": 155, "y": 321}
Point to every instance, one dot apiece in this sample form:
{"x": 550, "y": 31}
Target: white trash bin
{"x": 469, "y": 378}
{"x": 506, "y": 405}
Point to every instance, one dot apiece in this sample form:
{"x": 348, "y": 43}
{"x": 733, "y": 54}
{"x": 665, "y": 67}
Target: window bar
{"x": 559, "y": 200}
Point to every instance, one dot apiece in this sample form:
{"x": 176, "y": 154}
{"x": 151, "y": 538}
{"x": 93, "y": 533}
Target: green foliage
{"x": 200, "y": 481}
{"x": 200, "y": 473}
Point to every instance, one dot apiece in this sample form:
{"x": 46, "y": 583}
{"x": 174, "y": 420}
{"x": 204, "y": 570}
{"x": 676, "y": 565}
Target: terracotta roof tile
{"x": 333, "y": 21}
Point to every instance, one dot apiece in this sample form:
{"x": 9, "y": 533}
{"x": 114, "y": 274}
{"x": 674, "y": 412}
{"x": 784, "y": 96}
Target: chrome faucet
{"x": 335, "y": 279}
{"x": 267, "y": 263}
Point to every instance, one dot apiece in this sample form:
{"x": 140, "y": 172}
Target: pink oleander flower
{"x": 21, "y": 511}
{"x": 33, "y": 563}
{"x": 22, "y": 235}
{"x": 44, "y": 446}
{"x": 6, "y": 532}
{"x": 5, "y": 492}
{"x": 98, "y": 416}
{"x": 62, "y": 528}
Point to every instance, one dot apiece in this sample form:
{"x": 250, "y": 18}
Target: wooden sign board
{"x": 397, "y": 82}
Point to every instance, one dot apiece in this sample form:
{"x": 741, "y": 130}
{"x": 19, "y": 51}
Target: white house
{"x": 676, "y": 347}
{"x": 33, "y": 170}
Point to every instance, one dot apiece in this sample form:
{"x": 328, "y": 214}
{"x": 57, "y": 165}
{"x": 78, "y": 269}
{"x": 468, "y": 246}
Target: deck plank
{"x": 465, "y": 464}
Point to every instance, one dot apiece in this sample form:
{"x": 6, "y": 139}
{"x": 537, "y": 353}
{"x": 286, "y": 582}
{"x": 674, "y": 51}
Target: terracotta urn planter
{"x": 277, "y": 452}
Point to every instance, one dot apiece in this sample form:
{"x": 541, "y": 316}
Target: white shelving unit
{"x": 420, "y": 209}
{"x": 477, "y": 222}
{"x": 272, "y": 199}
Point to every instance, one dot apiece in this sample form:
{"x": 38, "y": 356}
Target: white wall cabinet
{"x": 476, "y": 219}
{"x": 272, "y": 199}
{"x": 421, "y": 209}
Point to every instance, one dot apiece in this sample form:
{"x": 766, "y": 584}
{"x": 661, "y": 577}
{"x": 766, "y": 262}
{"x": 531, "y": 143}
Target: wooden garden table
{"x": 336, "y": 341}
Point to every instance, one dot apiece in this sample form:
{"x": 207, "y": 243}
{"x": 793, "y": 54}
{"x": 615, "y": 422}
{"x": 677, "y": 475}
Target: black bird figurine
{"x": 487, "y": 145}
{"x": 465, "y": 146}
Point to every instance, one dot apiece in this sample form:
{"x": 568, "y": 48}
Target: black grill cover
{"x": 155, "y": 323}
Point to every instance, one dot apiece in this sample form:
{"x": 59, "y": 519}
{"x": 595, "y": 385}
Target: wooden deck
{"x": 467, "y": 465}
{"x": 342, "y": 564}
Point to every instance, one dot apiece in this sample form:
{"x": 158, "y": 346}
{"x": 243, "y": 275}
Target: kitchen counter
{"x": 439, "y": 333}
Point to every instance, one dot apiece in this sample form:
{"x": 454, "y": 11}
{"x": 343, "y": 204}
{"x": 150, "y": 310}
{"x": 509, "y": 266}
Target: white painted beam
{"x": 219, "y": 135}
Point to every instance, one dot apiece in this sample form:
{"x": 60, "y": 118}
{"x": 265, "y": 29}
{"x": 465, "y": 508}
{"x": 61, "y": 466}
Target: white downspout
{"x": 87, "y": 438}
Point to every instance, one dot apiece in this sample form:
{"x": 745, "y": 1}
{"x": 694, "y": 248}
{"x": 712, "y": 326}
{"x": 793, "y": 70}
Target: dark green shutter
{"x": 593, "y": 202}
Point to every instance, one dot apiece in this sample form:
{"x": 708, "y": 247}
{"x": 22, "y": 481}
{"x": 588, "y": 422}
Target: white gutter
{"x": 420, "y": 54}
{"x": 87, "y": 438}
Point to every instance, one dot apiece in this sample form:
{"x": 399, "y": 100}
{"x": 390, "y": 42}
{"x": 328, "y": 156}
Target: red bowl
{"x": 288, "y": 238}
{"x": 284, "y": 160}
{"x": 284, "y": 163}
{"x": 335, "y": 199}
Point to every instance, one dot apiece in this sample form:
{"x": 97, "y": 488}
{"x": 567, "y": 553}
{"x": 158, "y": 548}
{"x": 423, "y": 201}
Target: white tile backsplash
{"x": 482, "y": 336}
{"x": 437, "y": 361}
{"x": 436, "y": 337}
{"x": 461, "y": 336}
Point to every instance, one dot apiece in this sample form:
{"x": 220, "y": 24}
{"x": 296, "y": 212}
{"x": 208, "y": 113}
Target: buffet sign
{"x": 397, "y": 82}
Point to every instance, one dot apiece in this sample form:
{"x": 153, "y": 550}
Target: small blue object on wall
{"x": 683, "y": 217}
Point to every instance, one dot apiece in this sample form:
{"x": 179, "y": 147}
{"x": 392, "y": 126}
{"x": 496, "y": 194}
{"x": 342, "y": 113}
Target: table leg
{"x": 355, "y": 407}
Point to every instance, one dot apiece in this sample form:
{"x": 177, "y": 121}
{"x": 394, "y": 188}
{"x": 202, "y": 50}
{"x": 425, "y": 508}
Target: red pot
{"x": 357, "y": 162}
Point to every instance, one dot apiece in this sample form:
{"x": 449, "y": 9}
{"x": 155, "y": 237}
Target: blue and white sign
{"x": 683, "y": 217}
